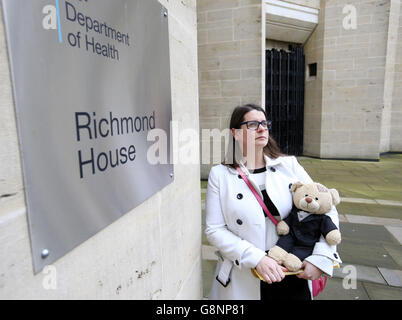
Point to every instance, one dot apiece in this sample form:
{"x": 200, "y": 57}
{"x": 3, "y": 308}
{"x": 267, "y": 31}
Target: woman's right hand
{"x": 270, "y": 270}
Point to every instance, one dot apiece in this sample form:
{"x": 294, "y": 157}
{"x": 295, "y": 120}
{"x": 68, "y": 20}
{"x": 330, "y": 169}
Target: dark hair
{"x": 271, "y": 149}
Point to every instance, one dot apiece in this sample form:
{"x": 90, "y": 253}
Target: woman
{"x": 235, "y": 221}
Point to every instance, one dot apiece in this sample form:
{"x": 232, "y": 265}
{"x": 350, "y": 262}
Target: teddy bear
{"x": 305, "y": 224}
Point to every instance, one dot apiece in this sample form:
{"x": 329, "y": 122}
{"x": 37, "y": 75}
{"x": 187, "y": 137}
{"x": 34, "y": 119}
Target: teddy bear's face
{"x": 314, "y": 197}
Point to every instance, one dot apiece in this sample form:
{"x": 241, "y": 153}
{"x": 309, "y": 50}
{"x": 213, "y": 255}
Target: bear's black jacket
{"x": 304, "y": 234}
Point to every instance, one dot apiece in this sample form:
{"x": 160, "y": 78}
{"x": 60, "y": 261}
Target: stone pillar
{"x": 314, "y": 53}
{"x": 352, "y": 82}
{"x": 389, "y": 83}
{"x": 396, "y": 113}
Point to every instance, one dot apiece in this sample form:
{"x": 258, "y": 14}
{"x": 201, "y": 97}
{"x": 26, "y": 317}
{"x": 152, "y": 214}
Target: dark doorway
{"x": 284, "y": 97}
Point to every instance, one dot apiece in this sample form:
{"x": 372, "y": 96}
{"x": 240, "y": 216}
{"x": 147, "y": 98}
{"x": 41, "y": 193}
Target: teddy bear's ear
{"x": 321, "y": 188}
{"x": 294, "y": 186}
{"x": 335, "y": 196}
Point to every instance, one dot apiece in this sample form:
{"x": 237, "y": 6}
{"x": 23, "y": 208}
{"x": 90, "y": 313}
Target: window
{"x": 312, "y": 70}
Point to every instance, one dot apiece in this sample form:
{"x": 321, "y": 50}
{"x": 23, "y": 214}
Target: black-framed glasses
{"x": 254, "y": 124}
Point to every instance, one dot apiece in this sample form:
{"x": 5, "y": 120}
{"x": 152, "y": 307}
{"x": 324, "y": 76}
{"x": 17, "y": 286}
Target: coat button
{"x": 239, "y": 222}
{"x": 336, "y": 256}
{"x": 273, "y": 169}
{"x": 237, "y": 262}
{"x": 239, "y": 196}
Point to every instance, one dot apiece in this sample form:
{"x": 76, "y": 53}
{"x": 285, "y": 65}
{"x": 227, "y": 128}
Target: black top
{"x": 267, "y": 200}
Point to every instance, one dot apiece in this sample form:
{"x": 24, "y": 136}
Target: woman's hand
{"x": 270, "y": 270}
{"x": 311, "y": 272}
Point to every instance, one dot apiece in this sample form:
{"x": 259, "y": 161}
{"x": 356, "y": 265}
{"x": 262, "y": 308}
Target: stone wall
{"x": 396, "y": 114}
{"x": 353, "y": 79}
{"x": 352, "y": 106}
{"x": 390, "y": 64}
{"x": 152, "y": 252}
{"x": 229, "y": 58}
{"x": 314, "y": 53}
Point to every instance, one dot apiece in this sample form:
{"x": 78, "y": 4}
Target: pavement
{"x": 370, "y": 216}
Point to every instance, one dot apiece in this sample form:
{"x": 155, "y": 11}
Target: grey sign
{"x": 91, "y": 78}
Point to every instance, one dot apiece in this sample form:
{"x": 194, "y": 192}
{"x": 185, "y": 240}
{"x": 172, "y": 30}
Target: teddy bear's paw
{"x": 333, "y": 238}
{"x": 278, "y": 254}
{"x": 292, "y": 263}
{"x": 282, "y": 228}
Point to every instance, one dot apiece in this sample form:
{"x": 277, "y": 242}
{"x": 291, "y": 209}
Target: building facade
{"x": 352, "y": 103}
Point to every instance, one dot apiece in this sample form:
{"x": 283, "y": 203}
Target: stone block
{"x": 219, "y": 49}
{"x": 249, "y": 87}
{"x": 250, "y": 99}
{"x": 223, "y": 106}
{"x": 205, "y": 64}
{"x": 335, "y": 290}
{"x": 210, "y": 89}
{"x": 396, "y": 232}
{"x": 215, "y": 25}
{"x": 219, "y": 15}
{"x": 312, "y": 121}
{"x": 393, "y": 277}
{"x": 209, "y": 5}
{"x": 363, "y": 137}
{"x": 251, "y": 73}
{"x": 372, "y": 121}
{"x": 346, "y": 83}
{"x": 220, "y": 75}
{"x": 247, "y": 23}
{"x": 209, "y": 123}
{"x": 243, "y": 62}
{"x": 363, "y": 273}
{"x": 381, "y": 292}
{"x": 250, "y": 46}
{"x": 367, "y": 234}
{"x": 333, "y": 136}
{"x": 246, "y": 3}
{"x": 209, "y": 108}
{"x": 202, "y": 37}
{"x": 201, "y": 17}
{"x": 395, "y": 252}
{"x": 219, "y": 35}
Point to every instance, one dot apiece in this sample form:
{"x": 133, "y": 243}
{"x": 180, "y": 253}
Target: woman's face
{"x": 252, "y": 138}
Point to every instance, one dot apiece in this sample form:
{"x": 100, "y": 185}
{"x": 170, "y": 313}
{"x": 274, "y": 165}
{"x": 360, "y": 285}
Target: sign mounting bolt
{"x": 45, "y": 253}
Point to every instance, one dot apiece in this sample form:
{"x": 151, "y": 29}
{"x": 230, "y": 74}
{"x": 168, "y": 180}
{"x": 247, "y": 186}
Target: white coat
{"x": 237, "y": 227}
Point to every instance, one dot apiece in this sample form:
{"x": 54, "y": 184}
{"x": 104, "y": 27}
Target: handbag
{"x": 319, "y": 284}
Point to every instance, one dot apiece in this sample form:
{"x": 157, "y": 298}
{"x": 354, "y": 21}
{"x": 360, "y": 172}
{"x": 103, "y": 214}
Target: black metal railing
{"x": 284, "y": 97}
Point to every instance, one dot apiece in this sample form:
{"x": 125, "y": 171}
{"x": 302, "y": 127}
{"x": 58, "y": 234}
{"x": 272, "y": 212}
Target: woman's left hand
{"x": 311, "y": 272}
